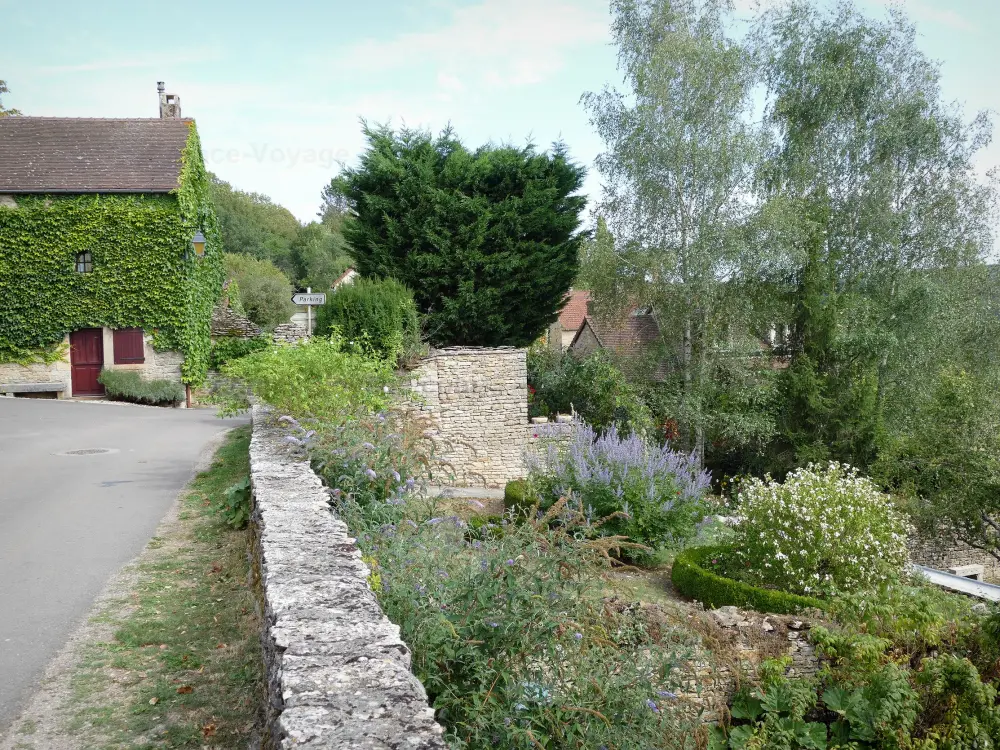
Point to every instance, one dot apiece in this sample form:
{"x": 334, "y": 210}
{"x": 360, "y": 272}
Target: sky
{"x": 278, "y": 89}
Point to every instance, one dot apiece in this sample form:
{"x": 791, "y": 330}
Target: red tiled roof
{"x": 632, "y": 334}
{"x": 575, "y": 309}
{"x": 81, "y": 155}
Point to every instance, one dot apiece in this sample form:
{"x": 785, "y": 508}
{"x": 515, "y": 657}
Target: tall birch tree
{"x": 874, "y": 175}
{"x": 677, "y": 171}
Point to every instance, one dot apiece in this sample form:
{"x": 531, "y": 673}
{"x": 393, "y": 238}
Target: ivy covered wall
{"x": 140, "y": 278}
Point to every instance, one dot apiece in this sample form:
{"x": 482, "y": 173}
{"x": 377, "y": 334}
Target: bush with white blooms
{"x": 825, "y": 530}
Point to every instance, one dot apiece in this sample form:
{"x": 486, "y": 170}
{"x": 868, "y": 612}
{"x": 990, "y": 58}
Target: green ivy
{"x": 141, "y": 277}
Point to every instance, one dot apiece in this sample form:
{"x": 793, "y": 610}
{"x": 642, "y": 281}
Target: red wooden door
{"x": 86, "y": 356}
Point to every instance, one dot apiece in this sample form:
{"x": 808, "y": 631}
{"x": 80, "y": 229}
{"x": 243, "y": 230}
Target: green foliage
{"x": 377, "y": 312}
{"x": 593, "y": 386}
{"x": 229, "y": 348}
{"x": 914, "y": 618}
{"x": 875, "y": 290}
{"x": 513, "y": 650}
{"x": 694, "y": 574}
{"x": 140, "y": 279}
{"x": 948, "y": 462}
{"x": 822, "y": 531}
{"x": 773, "y": 716}
{"x": 6, "y": 112}
{"x": 129, "y": 385}
{"x": 487, "y": 240}
{"x": 319, "y": 256}
{"x": 234, "y": 505}
{"x": 265, "y": 292}
{"x": 678, "y": 195}
{"x": 519, "y": 497}
{"x": 629, "y": 489}
{"x": 956, "y": 705}
{"x": 321, "y": 380}
{"x": 253, "y": 225}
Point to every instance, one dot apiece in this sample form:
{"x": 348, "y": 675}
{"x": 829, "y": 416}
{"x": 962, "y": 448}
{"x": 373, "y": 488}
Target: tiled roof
{"x": 78, "y": 155}
{"x": 632, "y": 334}
{"x": 575, "y": 309}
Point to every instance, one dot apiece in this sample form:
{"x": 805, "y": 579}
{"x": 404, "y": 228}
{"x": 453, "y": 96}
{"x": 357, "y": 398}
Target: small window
{"x": 84, "y": 264}
{"x": 129, "y": 347}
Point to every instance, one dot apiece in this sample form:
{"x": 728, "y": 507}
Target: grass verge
{"x": 184, "y": 666}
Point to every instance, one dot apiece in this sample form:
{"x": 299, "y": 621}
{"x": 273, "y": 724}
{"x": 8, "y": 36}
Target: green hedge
{"x": 693, "y": 580}
{"x": 379, "y": 312}
{"x": 128, "y": 385}
{"x": 517, "y": 495}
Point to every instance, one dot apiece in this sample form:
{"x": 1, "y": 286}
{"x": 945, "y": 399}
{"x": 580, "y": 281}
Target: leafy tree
{"x": 487, "y": 239}
{"x": 874, "y": 200}
{"x": 948, "y": 462}
{"x": 592, "y": 386}
{"x": 6, "y": 112}
{"x": 254, "y": 225}
{"x": 678, "y": 171}
{"x": 265, "y": 292}
{"x": 319, "y": 256}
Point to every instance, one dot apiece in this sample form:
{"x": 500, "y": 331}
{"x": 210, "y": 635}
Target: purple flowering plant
{"x": 624, "y": 485}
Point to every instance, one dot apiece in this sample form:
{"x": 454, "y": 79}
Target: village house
{"x": 109, "y": 251}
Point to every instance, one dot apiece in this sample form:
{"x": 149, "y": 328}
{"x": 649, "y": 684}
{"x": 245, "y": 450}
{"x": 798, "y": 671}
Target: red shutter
{"x": 128, "y": 347}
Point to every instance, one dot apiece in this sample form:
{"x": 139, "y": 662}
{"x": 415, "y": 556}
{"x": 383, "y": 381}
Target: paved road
{"x": 67, "y": 522}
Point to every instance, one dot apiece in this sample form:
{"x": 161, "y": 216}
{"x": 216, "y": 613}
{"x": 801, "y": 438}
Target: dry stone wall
{"x": 475, "y": 401}
{"x": 337, "y": 671}
{"x": 936, "y": 553}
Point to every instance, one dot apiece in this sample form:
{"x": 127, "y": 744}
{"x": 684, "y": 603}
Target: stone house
{"x": 109, "y": 251}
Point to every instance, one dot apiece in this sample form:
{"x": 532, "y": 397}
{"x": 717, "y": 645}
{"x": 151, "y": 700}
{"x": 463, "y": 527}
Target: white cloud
{"x": 498, "y": 43}
{"x": 923, "y": 11}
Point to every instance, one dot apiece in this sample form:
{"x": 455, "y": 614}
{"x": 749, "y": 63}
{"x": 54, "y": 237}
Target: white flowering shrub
{"x": 824, "y": 530}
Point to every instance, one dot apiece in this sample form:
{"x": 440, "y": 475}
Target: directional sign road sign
{"x": 309, "y": 299}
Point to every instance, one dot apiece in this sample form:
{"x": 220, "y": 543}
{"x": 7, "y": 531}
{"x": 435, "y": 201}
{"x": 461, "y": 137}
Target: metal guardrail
{"x": 970, "y": 586}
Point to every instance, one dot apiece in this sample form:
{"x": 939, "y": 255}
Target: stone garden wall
{"x": 475, "y": 401}
{"x": 337, "y": 671}
{"x": 934, "y": 553}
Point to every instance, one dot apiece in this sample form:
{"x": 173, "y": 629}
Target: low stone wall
{"x": 337, "y": 671}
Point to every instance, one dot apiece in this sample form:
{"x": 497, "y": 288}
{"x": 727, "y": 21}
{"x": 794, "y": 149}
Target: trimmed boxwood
{"x": 518, "y": 495}
{"x": 693, "y": 580}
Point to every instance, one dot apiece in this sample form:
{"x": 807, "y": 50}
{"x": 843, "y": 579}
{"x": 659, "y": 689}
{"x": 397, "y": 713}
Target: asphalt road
{"x": 67, "y": 522}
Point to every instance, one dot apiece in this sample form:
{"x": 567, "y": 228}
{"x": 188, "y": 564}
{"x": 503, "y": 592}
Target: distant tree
{"x": 319, "y": 255}
{"x": 488, "y": 240}
{"x": 947, "y": 464}
{"x": 252, "y": 224}
{"x": 265, "y": 292}
{"x": 6, "y": 112}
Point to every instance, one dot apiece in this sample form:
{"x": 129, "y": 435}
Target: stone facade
{"x": 475, "y": 401}
{"x": 57, "y": 372}
{"x": 337, "y": 671}
{"x": 936, "y": 553}
{"x": 158, "y": 365}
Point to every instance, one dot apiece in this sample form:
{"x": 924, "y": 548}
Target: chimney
{"x": 170, "y": 104}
